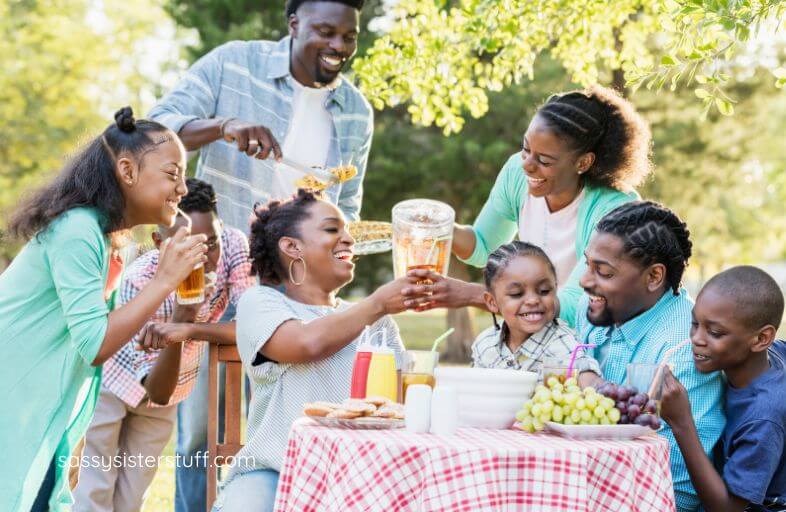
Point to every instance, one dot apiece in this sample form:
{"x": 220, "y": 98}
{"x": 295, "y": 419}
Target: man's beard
{"x": 605, "y": 319}
{"x": 323, "y": 78}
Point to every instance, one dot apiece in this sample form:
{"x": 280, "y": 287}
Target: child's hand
{"x": 155, "y": 336}
{"x": 674, "y": 406}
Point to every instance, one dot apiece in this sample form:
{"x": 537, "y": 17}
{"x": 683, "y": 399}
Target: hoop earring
{"x": 292, "y": 276}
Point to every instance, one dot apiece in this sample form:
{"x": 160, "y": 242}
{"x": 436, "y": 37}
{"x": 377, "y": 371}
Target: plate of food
{"x": 371, "y": 237}
{"x": 373, "y": 413}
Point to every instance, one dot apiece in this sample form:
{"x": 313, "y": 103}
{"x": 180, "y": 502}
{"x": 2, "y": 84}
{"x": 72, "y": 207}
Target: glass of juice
{"x": 418, "y": 368}
{"x": 192, "y": 289}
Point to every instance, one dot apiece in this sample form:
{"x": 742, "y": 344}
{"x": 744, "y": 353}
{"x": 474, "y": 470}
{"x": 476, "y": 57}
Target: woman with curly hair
{"x": 296, "y": 339}
{"x": 582, "y": 156}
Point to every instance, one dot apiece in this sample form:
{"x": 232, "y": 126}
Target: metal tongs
{"x": 316, "y": 171}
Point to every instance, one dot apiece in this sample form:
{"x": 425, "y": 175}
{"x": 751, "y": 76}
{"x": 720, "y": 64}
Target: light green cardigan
{"x": 53, "y": 319}
{"x": 498, "y": 223}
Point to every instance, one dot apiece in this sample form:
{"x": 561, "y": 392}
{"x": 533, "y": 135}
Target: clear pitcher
{"x": 422, "y": 236}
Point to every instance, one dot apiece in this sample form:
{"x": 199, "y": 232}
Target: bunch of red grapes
{"x": 634, "y": 407}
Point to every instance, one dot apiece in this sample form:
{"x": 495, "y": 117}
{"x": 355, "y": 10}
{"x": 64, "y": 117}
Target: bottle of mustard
{"x": 382, "y": 380}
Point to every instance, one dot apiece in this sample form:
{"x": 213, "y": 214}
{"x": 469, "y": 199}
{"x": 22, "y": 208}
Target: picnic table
{"x": 328, "y": 469}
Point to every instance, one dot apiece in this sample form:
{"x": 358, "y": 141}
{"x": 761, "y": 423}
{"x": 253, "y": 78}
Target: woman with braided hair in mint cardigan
{"x": 582, "y": 156}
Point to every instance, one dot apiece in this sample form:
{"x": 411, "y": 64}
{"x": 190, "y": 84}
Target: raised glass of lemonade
{"x": 422, "y": 236}
{"x": 418, "y": 368}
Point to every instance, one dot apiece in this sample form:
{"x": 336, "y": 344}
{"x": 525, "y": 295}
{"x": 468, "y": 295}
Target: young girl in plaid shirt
{"x": 521, "y": 285}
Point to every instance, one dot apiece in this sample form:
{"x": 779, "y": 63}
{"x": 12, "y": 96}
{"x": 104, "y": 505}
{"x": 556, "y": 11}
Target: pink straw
{"x": 575, "y": 351}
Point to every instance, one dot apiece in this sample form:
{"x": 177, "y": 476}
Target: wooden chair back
{"x": 233, "y": 384}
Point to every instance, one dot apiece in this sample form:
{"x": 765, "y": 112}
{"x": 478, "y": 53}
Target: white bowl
{"x": 488, "y": 398}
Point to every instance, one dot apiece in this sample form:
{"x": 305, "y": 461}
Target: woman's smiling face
{"x": 548, "y": 161}
{"x": 327, "y": 246}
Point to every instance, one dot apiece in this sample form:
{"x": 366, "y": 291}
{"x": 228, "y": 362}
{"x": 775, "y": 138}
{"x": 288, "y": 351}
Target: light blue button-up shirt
{"x": 250, "y": 80}
{"x": 644, "y": 339}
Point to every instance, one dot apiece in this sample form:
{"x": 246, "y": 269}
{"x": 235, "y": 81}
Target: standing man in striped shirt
{"x": 243, "y": 106}
{"x": 636, "y": 310}
{"x": 247, "y": 103}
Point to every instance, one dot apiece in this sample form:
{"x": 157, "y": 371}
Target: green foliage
{"x": 219, "y": 21}
{"x": 66, "y": 67}
{"x": 464, "y": 49}
{"x": 724, "y": 175}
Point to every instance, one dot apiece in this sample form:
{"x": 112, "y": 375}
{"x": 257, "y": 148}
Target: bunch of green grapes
{"x": 567, "y": 404}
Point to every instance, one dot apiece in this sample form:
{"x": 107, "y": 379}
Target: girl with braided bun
{"x": 57, "y": 326}
{"x": 296, "y": 339}
{"x": 635, "y": 310}
{"x": 582, "y": 155}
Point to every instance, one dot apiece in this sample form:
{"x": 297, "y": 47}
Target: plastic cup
{"x": 641, "y": 375}
{"x": 418, "y": 369}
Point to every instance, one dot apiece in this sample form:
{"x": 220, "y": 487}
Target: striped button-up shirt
{"x": 555, "y": 341}
{"x": 123, "y": 373}
{"x": 644, "y": 339}
{"x": 250, "y": 80}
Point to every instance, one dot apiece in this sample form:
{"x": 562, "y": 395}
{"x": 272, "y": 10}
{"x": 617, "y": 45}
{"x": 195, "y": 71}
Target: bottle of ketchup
{"x": 360, "y": 372}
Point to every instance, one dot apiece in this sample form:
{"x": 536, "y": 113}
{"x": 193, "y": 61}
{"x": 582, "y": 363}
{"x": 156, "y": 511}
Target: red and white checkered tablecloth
{"x": 328, "y": 469}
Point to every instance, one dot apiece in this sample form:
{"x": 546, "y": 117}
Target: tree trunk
{"x": 618, "y": 81}
{"x": 459, "y": 344}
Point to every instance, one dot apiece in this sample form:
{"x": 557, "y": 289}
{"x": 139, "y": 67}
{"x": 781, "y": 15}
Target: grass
{"x": 418, "y": 330}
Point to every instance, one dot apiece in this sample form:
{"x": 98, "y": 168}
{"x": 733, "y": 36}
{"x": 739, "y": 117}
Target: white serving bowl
{"x": 488, "y": 398}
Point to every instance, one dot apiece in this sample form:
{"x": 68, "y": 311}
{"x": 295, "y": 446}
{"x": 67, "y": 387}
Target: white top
{"x": 308, "y": 139}
{"x": 555, "y": 232}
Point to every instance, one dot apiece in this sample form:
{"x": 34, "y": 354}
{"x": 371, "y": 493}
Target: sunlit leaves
{"x": 444, "y": 57}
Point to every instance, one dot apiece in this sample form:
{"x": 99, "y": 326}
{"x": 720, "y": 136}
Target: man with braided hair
{"x": 635, "y": 310}
{"x": 136, "y": 408}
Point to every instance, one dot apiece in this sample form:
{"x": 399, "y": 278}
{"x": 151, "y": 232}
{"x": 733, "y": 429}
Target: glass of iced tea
{"x": 422, "y": 236}
{"x": 192, "y": 289}
{"x": 418, "y": 369}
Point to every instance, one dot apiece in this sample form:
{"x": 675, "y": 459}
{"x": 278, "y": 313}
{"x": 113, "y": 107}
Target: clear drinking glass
{"x": 641, "y": 376}
{"x": 418, "y": 369}
{"x": 554, "y": 367}
{"x": 192, "y": 289}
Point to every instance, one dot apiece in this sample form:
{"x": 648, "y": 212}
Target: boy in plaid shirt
{"x": 137, "y": 406}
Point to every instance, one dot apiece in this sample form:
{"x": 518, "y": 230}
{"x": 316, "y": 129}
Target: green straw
{"x": 442, "y": 337}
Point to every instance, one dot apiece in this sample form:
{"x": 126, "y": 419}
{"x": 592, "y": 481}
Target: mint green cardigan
{"x": 498, "y": 223}
{"x": 53, "y": 319}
